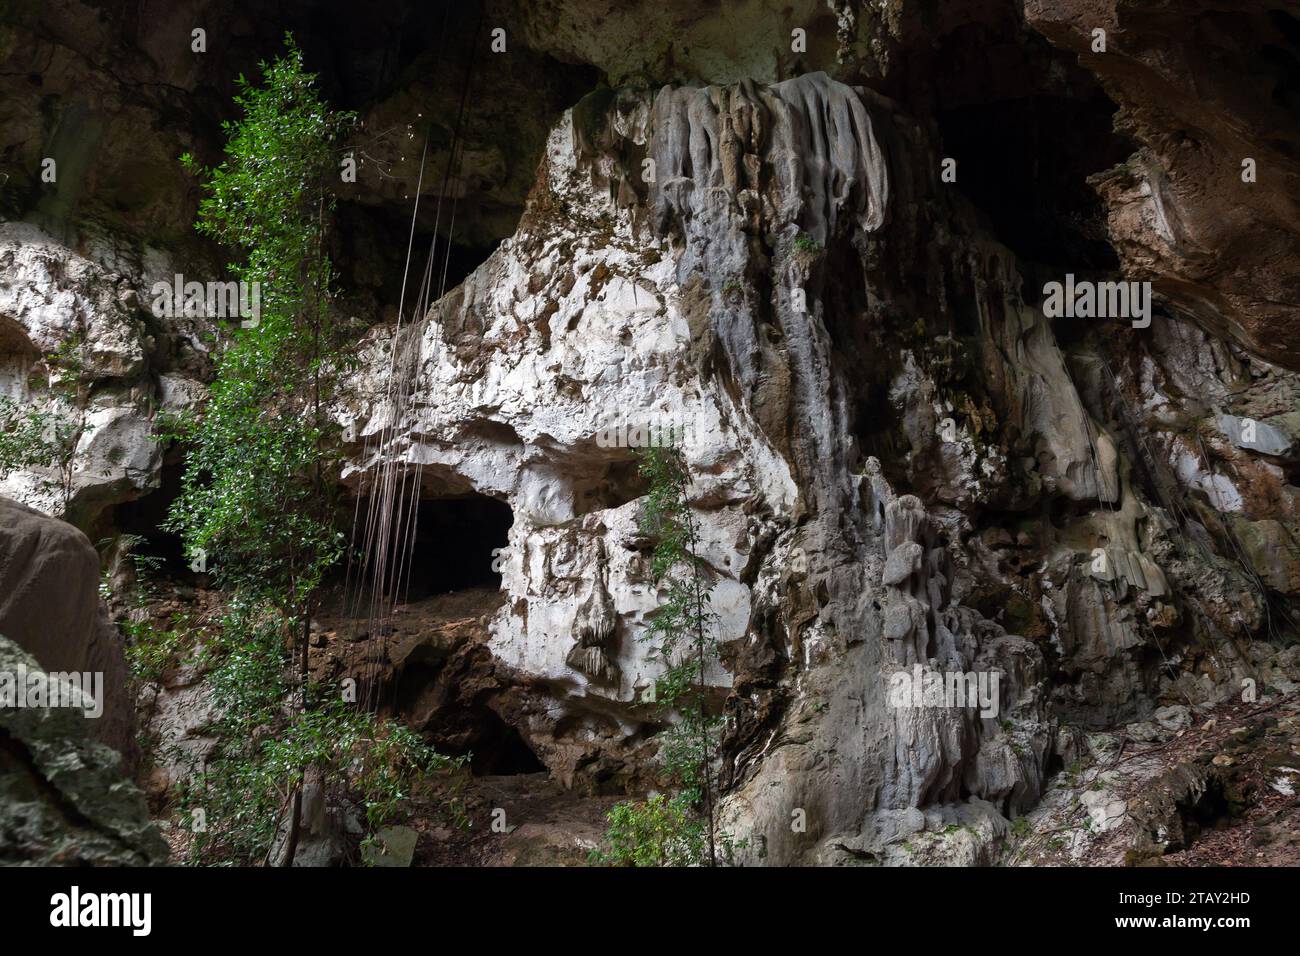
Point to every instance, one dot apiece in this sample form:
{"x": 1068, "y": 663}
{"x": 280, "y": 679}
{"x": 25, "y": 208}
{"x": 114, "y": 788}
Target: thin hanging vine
{"x": 258, "y": 505}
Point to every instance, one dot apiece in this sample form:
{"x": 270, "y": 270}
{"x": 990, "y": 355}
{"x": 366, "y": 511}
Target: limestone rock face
{"x": 908, "y": 480}
{"x": 728, "y": 262}
{"x": 50, "y": 606}
{"x": 77, "y": 342}
{"x": 599, "y": 320}
{"x": 54, "y": 296}
{"x": 64, "y": 800}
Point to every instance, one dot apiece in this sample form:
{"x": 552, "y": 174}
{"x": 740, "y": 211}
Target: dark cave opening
{"x": 450, "y": 582}
{"x": 877, "y": 429}
{"x": 1055, "y": 764}
{"x": 1027, "y": 126}
{"x": 158, "y": 551}
{"x": 1200, "y": 812}
{"x": 404, "y": 69}
{"x": 499, "y": 750}
{"x": 1032, "y": 185}
{"x": 458, "y": 545}
{"x": 427, "y": 691}
{"x": 368, "y": 235}
{"x": 357, "y": 59}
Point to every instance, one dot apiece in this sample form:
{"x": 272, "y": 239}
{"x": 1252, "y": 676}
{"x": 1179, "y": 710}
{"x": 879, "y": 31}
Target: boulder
{"x": 50, "y": 606}
{"x": 64, "y": 800}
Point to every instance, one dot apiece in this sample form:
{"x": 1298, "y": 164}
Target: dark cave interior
{"x": 458, "y": 544}
{"x": 158, "y": 551}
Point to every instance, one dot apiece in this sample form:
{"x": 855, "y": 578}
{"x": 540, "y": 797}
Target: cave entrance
{"x": 1034, "y": 186}
{"x": 446, "y": 687}
{"x": 428, "y": 693}
{"x": 457, "y": 546}
{"x": 499, "y": 750}
{"x": 1056, "y": 127}
{"x": 159, "y": 552}
{"x": 459, "y": 541}
{"x": 1200, "y": 813}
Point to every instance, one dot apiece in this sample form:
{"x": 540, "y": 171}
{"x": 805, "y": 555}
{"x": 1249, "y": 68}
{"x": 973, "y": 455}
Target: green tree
{"x": 258, "y": 504}
{"x": 67, "y": 419}
{"x": 682, "y": 634}
{"x": 24, "y": 437}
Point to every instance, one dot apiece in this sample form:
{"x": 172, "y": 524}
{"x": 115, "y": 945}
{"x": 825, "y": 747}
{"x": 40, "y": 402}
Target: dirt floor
{"x": 520, "y": 820}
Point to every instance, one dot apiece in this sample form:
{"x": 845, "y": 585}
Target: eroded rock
{"x": 64, "y": 799}
{"x": 50, "y": 606}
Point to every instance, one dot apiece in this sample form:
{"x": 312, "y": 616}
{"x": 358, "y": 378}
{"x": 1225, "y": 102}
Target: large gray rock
{"x": 759, "y": 290}
{"x": 1275, "y": 437}
{"x": 74, "y": 344}
{"x": 50, "y": 606}
{"x": 64, "y": 799}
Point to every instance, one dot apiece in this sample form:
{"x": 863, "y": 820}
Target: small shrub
{"x": 659, "y": 831}
{"x": 806, "y": 245}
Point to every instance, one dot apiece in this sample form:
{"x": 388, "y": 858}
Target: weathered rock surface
{"x": 1214, "y": 787}
{"x": 50, "y": 606}
{"x": 520, "y": 371}
{"x": 684, "y": 298}
{"x": 75, "y": 343}
{"x": 64, "y": 800}
{"x": 902, "y": 468}
{"x": 693, "y": 43}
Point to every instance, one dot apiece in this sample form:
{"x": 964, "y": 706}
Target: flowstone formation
{"x": 738, "y": 262}
{"x": 698, "y": 297}
{"x": 596, "y": 626}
